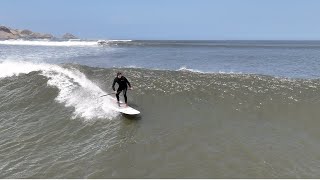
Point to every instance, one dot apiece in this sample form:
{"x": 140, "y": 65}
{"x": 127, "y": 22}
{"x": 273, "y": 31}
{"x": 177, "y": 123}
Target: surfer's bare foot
{"x": 126, "y": 104}
{"x": 118, "y": 103}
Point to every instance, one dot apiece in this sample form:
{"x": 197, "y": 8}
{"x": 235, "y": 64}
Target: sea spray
{"x": 75, "y": 90}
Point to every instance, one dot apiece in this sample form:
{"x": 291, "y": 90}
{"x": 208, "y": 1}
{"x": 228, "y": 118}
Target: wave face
{"x": 75, "y": 90}
{"x": 54, "y": 117}
{"x": 206, "y": 107}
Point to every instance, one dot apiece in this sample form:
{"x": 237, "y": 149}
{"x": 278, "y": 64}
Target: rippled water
{"x": 260, "y": 123}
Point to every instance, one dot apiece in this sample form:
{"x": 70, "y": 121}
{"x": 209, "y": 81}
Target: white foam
{"x": 49, "y": 43}
{"x": 114, "y": 40}
{"x": 184, "y": 68}
{"x": 75, "y": 90}
{"x": 56, "y": 43}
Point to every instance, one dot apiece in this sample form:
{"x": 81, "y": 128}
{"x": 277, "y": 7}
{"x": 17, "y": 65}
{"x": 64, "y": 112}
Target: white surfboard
{"x": 123, "y": 108}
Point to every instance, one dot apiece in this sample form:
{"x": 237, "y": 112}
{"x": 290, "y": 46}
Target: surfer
{"x": 123, "y": 86}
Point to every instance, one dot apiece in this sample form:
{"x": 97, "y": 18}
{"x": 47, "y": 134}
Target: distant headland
{"x": 7, "y": 33}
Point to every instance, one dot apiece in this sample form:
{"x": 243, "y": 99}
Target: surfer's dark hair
{"x": 119, "y": 73}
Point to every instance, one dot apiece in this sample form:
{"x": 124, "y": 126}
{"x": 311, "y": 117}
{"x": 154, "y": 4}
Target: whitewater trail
{"x": 75, "y": 90}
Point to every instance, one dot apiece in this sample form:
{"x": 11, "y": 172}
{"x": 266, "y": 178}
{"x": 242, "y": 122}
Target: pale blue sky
{"x": 168, "y": 19}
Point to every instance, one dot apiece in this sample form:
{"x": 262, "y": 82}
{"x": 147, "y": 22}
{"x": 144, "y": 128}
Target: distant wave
{"x": 57, "y": 43}
{"x": 184, "y": 68}
{"x": 215, "y": 44}
{"x": 49, "y": 43}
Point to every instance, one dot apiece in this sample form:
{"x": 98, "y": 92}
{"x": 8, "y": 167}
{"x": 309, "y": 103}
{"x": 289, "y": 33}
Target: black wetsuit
{"x": 122, "y": 82}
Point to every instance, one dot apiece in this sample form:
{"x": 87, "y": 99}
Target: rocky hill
{"x": 69, "y": 36}
{"x": 9, "y": 33}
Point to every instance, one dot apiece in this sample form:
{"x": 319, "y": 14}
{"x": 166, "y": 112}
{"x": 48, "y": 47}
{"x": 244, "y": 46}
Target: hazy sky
{"x": 167, "y": 19}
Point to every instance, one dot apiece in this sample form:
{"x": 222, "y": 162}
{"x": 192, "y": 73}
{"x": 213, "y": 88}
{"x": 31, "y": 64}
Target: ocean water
{"x": 209, "y": 109}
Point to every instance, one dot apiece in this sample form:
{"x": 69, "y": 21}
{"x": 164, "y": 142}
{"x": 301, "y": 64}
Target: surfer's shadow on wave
{"x": 136, "y": 117}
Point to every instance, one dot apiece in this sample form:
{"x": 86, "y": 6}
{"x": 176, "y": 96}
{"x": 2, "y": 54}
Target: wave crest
{"x": 75, "y": 90}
